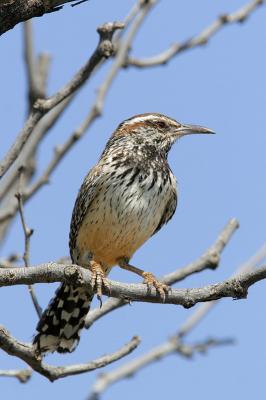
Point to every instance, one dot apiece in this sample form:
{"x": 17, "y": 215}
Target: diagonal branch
{"x": 172, "y": 346}
{"x": 26, "y": 256}
{"x": 26, "y": 353}
{"x": 209, "y": 260}
{"x": 199, "y": 40}
{"x": 41, "y": 107}
{"x": 138, "y": 12}
{"x": 194, "y": 319}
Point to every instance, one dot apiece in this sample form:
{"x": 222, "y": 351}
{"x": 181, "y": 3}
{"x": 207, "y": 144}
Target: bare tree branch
{"x": 37, "y": 71}
{"x": 41, "y": 107}
{"x": 172, "y": 345}
{"x": 23, "y": 375}
{"x": 122, "y": 53}
{"x": 199, "y": 40}
{"x": 26, "y": 256}
{"x": 96, "y": 109}
{"x": 10, "y": 260}
{"x": 209, "y": 260}
{"x": 8, "y": 186}
{"x": 236, "y": 287}
{"x": 204, "y": 309}
{"x": 12, "y": 12}
{"x": 30, "y": 63}
{"x": 26, "y": 353}
{"x": 107, "y": 307}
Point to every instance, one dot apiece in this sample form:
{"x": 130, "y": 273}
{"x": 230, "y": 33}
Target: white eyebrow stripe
{"x": 144, "y": 118}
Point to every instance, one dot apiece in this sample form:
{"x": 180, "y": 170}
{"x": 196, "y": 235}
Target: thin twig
{"x": 26, "y": 353}
{"x": 199, "y": 40}
{"x": 122, "y": 53}
{"x": 209, "y": 260}
{"x": 26, "y": 256}
{"x": 196, "y": 317}
{"x": 29, "y": 62}
{"x": 23, "y": 375}
{"x": 10, "y": 260}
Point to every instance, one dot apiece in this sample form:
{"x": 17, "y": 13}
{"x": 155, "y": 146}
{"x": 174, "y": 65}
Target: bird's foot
{"x": 151, "y": 281}
{"x": 98, "y": 280}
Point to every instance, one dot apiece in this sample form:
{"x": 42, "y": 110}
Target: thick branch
{"x": 26, "y": 353}
{"x": 236, "y": 287}
{"x": 12, "y": 12}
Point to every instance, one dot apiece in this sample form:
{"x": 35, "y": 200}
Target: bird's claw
{"x": 98, "y": 280}
{"x": 152, "y": 282}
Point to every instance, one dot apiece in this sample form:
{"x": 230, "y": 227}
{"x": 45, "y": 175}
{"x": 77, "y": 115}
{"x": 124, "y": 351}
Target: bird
{"x": 127, "y": 197}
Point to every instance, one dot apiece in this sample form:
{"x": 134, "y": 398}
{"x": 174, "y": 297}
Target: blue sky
{"x": 221, "y": 85}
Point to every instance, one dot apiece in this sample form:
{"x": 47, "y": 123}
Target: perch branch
{"x": 235, "y": 287}
{"x": 210, "y": 259}
{"x": 174, "y": 344}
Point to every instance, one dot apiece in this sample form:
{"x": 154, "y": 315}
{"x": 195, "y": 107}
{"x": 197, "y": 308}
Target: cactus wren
{"x": 125, "y": 199}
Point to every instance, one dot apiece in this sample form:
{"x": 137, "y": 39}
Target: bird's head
{"x": 157, "y": 130}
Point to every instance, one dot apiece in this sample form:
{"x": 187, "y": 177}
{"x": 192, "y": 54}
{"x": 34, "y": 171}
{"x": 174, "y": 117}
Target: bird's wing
{"x": 168, "y": 211}
{"x": 87, "y": 193}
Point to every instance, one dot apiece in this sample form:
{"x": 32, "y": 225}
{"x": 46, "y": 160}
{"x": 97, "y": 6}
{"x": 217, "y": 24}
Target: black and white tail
{"x": 60, "y": 325}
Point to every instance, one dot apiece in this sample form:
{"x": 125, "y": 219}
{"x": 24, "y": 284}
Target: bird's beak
{"x": 192, "y": 129}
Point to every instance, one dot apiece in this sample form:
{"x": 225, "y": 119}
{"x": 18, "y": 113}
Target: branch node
{"x": 106, "y": 48}
{"x": 224, "y": 18}
{"x": 106, "y": 31}
{"x": 40, "y": 105}
{"x": 73, "y": 275}
{"x": 24, "y": 375}
{"x": 213, "y": 260}
{"x": 241, "y": 292}
{"x": 188, "y": 302}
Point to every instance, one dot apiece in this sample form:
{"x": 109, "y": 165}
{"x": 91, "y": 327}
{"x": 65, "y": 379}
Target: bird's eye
{"x": 161, "y": 124}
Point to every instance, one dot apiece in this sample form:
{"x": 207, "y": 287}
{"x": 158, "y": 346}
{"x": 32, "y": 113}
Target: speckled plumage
{"x": 126, "y": 198}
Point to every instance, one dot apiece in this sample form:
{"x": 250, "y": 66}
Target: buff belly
{"x": 119, "y": 221}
